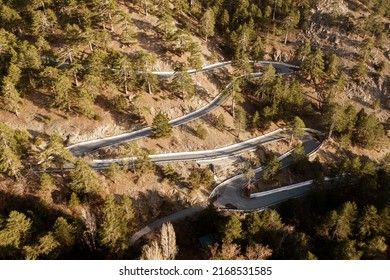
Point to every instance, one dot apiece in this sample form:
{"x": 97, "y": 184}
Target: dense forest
{"x": 349, "y": 221}
{"x": 76, "y": 60}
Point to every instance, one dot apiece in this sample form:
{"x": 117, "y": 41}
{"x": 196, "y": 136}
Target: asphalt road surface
{"x": 228, "y": 194}
{"x": 93, "y": 145}
{"x": 227, "y": 151}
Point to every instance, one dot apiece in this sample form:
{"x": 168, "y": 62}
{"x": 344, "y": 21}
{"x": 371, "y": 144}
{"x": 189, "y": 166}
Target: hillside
{"x": 74, "y": 71}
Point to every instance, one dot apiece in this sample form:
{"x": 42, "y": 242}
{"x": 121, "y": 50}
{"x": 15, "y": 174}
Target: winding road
{"x": 227, "y": 151}
{"x": 93, "y": 145}
{"x": 227, "y": 195}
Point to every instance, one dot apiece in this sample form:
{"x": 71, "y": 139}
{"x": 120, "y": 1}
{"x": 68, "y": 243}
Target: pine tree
{"x": 91, "y": 38}
{"x": 297, "y": 129}
{"x": 43, "y": 22}
{"x": 201, "y": 132}
{"x": 258, "y": 252}
{"x": 195, "y": 59}
{"x": 207, "y": 24}
{"x": 368, "y": 130}
{"x": 48, "y": 76}
{"x": 241, "y": 41}
{"x": 72, "y": 34}
{"x": 7, "y": 39}
{"x": 16, "y": 231}
{"x": 74, "y": 201}
{"x": 368, "y": 224}
{"x": 166, "y": 26}
{"x": 29, "y": 58}
{"x": 234, "y": 91}
{"x": 359, "y": 72}
{"x": 314, "y": 66}
{"x": 225, "y": 19}
{"x": 339, "y": 225}
{"x": 265, "y": 82}
{"x": 181, "y": 41}
{"x": 10, "y": 162}
{"x": 271, "y": 168}
{"x": 182, "y": 83}
{"x": 338, "y": 85}
{"x": 231, "y": 230}
{"x": 114, "y": 172}
{"x": 347, "y": 250}
{"x": 47, "y": 185}
{"x": 303, "y": 51}
{"x": 270, "y": 220}
{"x": 62, "y": 90}
{"x": 291, "y": 22}
{"x": 124, "y": 74}
{"x": 85, "y": 104}
{"x": 68, "y": 8}
{"x": 168, "y": 242}
{"x": 128, "y": 34}
{"x": 46, "y": 245}
{"x": 152, "y": 251}
{"x": 195, "y": 179}
{"x": 161, "y": 128}
{"x": 277, "y": 94}
{"x": 115, "y": 226}
{"x": 46, "y": 181}
{"x": 345, "y": 224}
{"x": 144, "y": 164}
{"x": 220, "y": 123}
{"x": 333, "y": 66}
{"x": 74, "y": 71}
{"x": 69, "y": 54}
{"x": 171, "y": 174}
{"x": 341, "y": 119}
{"x": 132, "y": 150}
{"x": 83, "y": 178}
{"x": 64, "y": 233}
{"x": 144, "y": 64}
{"x": 242, "y": 65}
{"x": 56, "y": 152}
{"x": 93, "y": 85}
{"x": 294, "y": 100}
{"x": 258, "y": 49}
{"x": 121, "y": 103}
{"x": 9, "y": 17}
{"x": 106, "y": 11}
{"x": 200, "y": 177}
{"x": 240, "y": 119}
{"x": 268, "y": 76}
{"x": 14, "y": 73}
{"x": 376, "y": 249}
{"x": 96, "y": 63}
{"x": 299, "y": 159}
{"x": 140, "y": 106}
{"x": 249, "y": 176}
{"x": 252, "y": 223}
{"x": 365, "y": 49}
{"x": 10, "y": 97}
{"x": 181, "y": 6}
